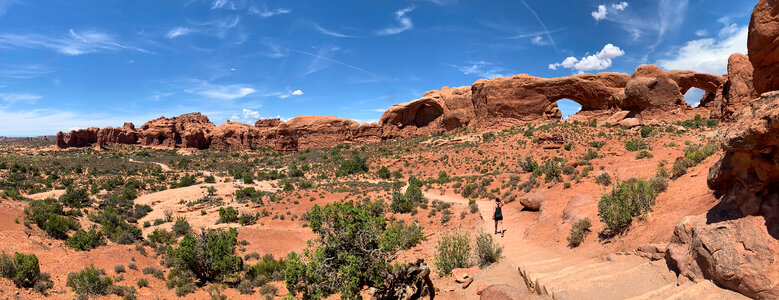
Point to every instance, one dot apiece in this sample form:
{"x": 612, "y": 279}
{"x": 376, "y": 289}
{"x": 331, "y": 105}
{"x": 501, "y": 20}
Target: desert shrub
{"x": 161, "y": 236}
{"x": 293, "y": 171}
{"x": 347, "y": 255}
{"x": 383, "y": 173}
{"x": 250, "y": 194}
{"x": 154, "y": 272}
{"x": 182, "y": 281}
{"x": 89, "y": 282}
{"x": 142, "y": 283}
{"x": 268, "y": 267}
{"x": 528, "y": 165}
{"x": 627, "y": 200}
{"x": 552, "y": 171}
{"x": 228, "y": 215}
{"x": 452, "y": 252}
{"x": 698, "y": 153}
{"x": 245, "y": 287}
{"x": 49, "y": 216}
{"x": 414, "y": 195}
{"x": 119, "y": 269}
{"x": 181, "y": 226}
{"x": 579, "y": 230}
{"x": 43, "y": 284}
{"x": 22, "y": 269}
{"x": 115, "y": 226}
{"x": 468, "y": 190}
{"x": 400, "y": 203}
{"x": 590, "y": 155}
{"x": 662, "y": 171}
{"x": 646, "y": 131}
{"x": 86, "y": 240}
{"x": 209, "y": 255}
{"x": 74, "y": 197}
{"x": 659, "y": 184}
{"x": 141, "y": 211}
{"x": 268, "y": 289}
{"x": 400, "y": 236}
{"x": 354, "y": 165}
{"x": 248, "y": 218}
{"x": 473, "y": 207}
{"x": 597, "y": 144}
{"x": 488, "y": 251}
{"x": 644, "y": 154}
{"x": 603, "y": 179}
{"x": 635, "y": 145}
{"x": 680, "y": 167}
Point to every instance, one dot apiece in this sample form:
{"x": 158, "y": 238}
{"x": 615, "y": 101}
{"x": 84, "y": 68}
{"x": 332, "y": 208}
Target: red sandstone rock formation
{"x": 188, "y": 131}
{"x": 235, "y": 135}
{"x": 736, "y": 91}
{"x": 119, "y": 135}
{"x": 651, "y": 88}
{"x": 77, "y": 138}
{"x": 763, "y": 45}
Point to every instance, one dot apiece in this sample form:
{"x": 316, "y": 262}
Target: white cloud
{"x": 481, "y": 69}
{"x": 221, "y": 3}
{"x": 24, "y": 72}
{"x": 404, "y": 23}
{"x": 539, "y": 41}
{"x": 330, "y": 32}
{"x": 297, "y": 92}
{"x": 600, "y": 14}
{"x": 702, "y": 32}
{"x": 619, "y": 6}
{"x": 221, "y": 92}
{"x": 74, "y": 43}
{"x": 596, "y": 62}
{"x": 179, "y": 31}
{"x": 249, "y": 114}
{"x": 709, "y": 55}
{"x": 267, "y": 13}
{"x": 12, "y": 98}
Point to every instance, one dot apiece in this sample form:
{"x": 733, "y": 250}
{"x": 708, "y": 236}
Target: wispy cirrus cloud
{"x": 404, "y": 22}
{"x": 24, "y": 71}
{"x": 481, "y": 69}
{"x": 330, "y": 32}
{"x": 179, "y": 31}
{"x": 265, "y": 13}
{"x": 548, "y": 33}
{"x": 13, "y": 98}
{"x": 5, "y": 5}
{"x": 73, "y": 43}
{"x": 220, "y": 91}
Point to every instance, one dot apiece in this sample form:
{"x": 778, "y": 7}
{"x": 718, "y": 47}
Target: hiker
{"x": 497, "y": 215}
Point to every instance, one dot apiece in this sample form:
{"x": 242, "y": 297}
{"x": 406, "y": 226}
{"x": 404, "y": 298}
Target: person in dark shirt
{"x": 497, "y": 215}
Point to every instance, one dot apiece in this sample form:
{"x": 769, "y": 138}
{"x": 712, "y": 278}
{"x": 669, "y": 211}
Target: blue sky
{"x": 68, "y": 64}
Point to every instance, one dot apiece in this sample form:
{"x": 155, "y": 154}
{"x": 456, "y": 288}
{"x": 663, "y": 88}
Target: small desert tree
{"x": 209, "y": 255}
{"x": 351, "y": 252}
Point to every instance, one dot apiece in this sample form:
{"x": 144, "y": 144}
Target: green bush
{"x": 89, "y": 282}
{"x": 680, "y": 167}
{"x": 400, "y": 204}
{"x": 354, "y": 165}
{"x": 347, "y": 254}
{"x": 452, "y": 252}
{"x": 74, "y": 197}
{"x": 228, "y": 215}
{"x": 579, "y": 230}
{"x": 635, "y": 145}
{"x": 268, "y": 290}
{"x": 142, "y": 283}
{"x": 267, "y": 267}
{"x": 248, "y": 218}
{"x": 383, "y": 173}
{"x": 644, "y": 154}
{"x": 414, "y": 195}
{"x": 182, "y": 281}
{"x": 86, "y": 240}
{"x": 161, "y": 236}
{"x": 181, "y": 226}
{"x": 209, "y": 255}
{"x": 22, "y": 269}
{"x": 245, "y": 287}
{"x": 399, "y": 236}
{"x": 488, "y": 251}
{"x": 646, "y": 131}
{"x": 49, "y": 216}
{"x": 659, "y": 184}
{"x": 603, "y": 179}
{"x": 627, "y": 200}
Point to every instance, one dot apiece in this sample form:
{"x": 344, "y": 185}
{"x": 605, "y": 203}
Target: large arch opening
{"x": 568, "y": 107}
{"x": 693, "y": 97}
{"x": 427, "y": 113}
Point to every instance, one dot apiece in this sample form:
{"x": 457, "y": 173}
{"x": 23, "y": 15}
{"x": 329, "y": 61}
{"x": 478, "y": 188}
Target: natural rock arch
{"x": 418, "y": 113}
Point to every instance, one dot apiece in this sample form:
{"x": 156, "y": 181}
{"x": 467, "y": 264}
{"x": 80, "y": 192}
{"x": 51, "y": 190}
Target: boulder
{"x": 462, "y": 274}
{"x": 550, "y": 140}
{"x": 577, "y": 207}
{"x": 629, "y": 123}
{"x": 617, "y": 117}
{"x": 763, "y": 45}
{"x": 501, "y": 292}
{"x": 533, "y": 201}
{"x": 651, "y": 88}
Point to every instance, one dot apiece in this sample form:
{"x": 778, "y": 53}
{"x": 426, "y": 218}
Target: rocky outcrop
{"x": 188, "y": 131}
{"x": 77, "y": 138}
{"x": 236, "y": 135}
{"x": 651, "y": 88}
{"x": 735, "y": 92}
{"x": 735, "y": 244}
{"x": 763, "y": 45}
{"x": 117, "y": 135}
